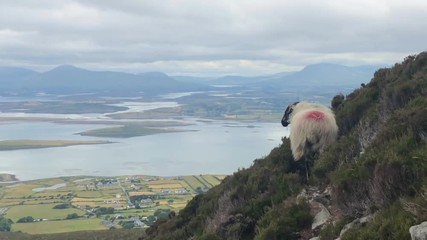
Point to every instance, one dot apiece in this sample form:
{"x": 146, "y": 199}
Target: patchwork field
{"x": 92, "y": 203}
{"x": 59, "y": 226}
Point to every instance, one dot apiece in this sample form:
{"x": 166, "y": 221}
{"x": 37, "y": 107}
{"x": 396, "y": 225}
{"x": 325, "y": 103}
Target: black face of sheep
{"x": 286, "y": 119}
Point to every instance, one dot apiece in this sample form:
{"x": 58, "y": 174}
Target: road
{"x": 126, "y": 193}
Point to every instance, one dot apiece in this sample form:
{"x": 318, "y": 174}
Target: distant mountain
{"x": 13, "y": 77}
{"x": 322, "y": 74}
{"x": 10, "y": 73}
{"x": 231, "y": 79}
{"x": 70, "y": 79}
{"x": 67, "y": 79}
{"x": 193, "y": 79}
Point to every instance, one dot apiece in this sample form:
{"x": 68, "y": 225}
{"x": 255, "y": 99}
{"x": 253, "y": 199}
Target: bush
{"x": 27, "y": 219}
{"x": 5, "y": 224}
{"x": 72, "y": 216}
{"x": 104, "y": 210}
{"x": 392, "y": 223}
{"x": 62, "y": 206}
{"x": 285, "y": 222}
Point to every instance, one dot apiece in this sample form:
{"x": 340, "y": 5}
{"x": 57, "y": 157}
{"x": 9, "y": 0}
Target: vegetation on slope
{"x": 378, "y": 166}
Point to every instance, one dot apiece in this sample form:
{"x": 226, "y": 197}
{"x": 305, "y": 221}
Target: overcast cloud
{"x": 209, "y": 37}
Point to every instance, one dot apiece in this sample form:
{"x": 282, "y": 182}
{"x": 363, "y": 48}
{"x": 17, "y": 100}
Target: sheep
{"x": 313, "y": 128}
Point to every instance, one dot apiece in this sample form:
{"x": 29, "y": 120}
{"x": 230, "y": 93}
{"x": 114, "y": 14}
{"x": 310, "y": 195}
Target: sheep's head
{"x": 286, "y": 119}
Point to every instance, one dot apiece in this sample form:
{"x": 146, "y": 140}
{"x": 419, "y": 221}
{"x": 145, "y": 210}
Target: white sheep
{"x": 313, "y": 127}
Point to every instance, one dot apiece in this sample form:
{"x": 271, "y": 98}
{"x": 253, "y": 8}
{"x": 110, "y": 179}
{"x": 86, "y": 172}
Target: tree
{"x": 104, "y": 210}
{"x": 62, "y": 206}
{"x": 27, "y": 219}
{"x": 5, "y": 224}
{"x": 72, "y": 216}
{"x": 128, "y": 225}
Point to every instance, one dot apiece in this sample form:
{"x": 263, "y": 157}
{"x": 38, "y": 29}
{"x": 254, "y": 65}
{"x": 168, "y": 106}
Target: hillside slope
{"x": 375, "y": 174}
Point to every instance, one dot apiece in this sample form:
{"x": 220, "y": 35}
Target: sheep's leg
{"x": 309, "y": 155}
{"x": 306, "y": 167}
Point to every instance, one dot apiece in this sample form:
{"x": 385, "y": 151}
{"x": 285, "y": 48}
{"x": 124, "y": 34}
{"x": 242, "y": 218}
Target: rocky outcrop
{"x": 321, "y": 217}
{"x": 319, "y": 201}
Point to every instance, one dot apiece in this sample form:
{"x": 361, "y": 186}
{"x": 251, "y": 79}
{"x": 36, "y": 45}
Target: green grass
{"x": 59, "y": 226}
{"x": 212, "y": 180}
{"x": 44, "y": 211}
{"x": 193, "y": 182}
{"x": 203, "y": 182}
{"x": 89, "y": 194}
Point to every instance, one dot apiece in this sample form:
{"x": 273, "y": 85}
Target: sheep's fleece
{"x": 313, "y": 127}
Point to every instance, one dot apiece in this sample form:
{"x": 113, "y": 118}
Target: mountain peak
{"x": 66, "y": 67}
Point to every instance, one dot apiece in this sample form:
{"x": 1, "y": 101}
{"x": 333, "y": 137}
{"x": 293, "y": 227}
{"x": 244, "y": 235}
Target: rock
{"x": 419, "y": 232}
{"x": 315, "y": 238}
{"x": 302, "y": 196}
{"x": 321, "y": 217}
{"x": 359, "y": 222}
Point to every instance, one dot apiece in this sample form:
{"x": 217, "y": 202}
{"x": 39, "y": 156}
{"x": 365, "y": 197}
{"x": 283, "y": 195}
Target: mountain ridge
{"x": 71, "y": 79}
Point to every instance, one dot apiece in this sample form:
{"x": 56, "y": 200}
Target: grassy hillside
{"x": 377, "y": 168}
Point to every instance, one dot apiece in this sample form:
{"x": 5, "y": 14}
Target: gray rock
{"x": 419, "y": 232}
{"x": 321, "y": 217}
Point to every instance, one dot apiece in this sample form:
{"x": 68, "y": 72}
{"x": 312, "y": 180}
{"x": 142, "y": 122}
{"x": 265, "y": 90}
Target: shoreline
{"x": 11, "y": 145}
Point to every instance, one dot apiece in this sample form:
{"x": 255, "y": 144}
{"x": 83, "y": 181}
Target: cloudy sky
{"x": 209, "y": 37}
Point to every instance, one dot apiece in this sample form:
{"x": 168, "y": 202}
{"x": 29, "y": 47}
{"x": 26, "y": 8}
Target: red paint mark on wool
{"x": 315, "y": 115}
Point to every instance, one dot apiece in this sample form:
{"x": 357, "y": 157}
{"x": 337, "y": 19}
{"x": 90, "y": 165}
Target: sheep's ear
{"x": 286, "y": 117}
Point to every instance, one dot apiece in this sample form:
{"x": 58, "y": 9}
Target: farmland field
{"x": 42, "y": 211}
{"x": 85, "y": 195}
{"x": 59, "y": 226}
{"x": 193, "y": 182}
{"x": 211, "y": 180}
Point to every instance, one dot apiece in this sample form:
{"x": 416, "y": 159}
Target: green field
{"x": 193, "y": 182}
{"x": 59, "y": 226}
{"x": 43, "y": 211}
{"x": 212, "y": 180}
{"x": 89, "y": 194}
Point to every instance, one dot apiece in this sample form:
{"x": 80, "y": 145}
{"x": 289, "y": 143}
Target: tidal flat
{"x": 7, "y": 145}
{"x": 128, "y": 131}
